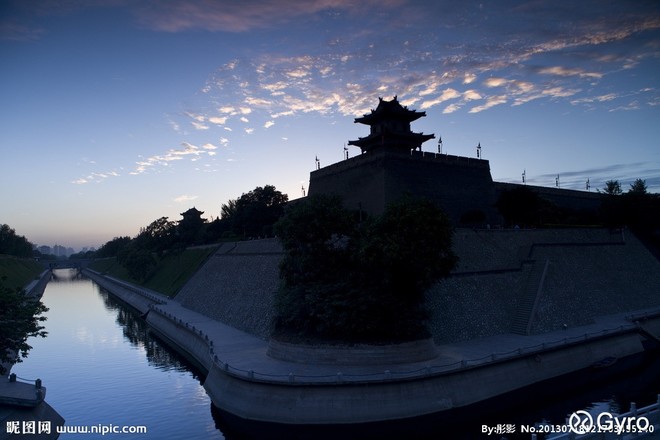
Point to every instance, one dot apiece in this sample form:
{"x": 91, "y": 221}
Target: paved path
{"x": 244, "y": 352}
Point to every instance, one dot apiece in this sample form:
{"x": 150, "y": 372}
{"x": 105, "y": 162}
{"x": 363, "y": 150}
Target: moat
{"x": 102, "y": 366}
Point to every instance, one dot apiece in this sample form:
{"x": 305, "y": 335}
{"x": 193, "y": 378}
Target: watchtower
{"x": 392, "y": 166}
{"x": 390, "y": 128}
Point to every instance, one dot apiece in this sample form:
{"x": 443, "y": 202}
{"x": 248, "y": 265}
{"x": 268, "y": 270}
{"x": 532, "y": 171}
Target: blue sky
{"x": 116, "y": 112}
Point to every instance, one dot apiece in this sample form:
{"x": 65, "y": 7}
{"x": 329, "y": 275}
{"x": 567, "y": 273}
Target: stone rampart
{"x": 237, "y": 285}
{"x": 591, "y": 272}
{"x": 565, "y": 198}
{"x": 371, "y": 181}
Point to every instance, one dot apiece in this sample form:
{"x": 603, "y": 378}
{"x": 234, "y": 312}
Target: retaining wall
{"x": 358, "y": 402}
{"x": 36, "y": 287}
{"x": 139, "y": 298}
{"x": 592, "y": 272}
{"x": 237, "y": 285}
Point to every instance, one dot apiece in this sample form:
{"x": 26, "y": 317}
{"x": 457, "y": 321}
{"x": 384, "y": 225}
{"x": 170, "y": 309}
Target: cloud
{"x": 13, "y": 30}
{"x": 491, "y": 101}
{"x": 471, "y": 95}
{"x": 243, "y": 16}
{"x": 626, "y": 174}
{"x": 199, "y": 126}
{"x": 564, "y": 71}
{"x": 469, "y": 78}
{"x": 218, "y": 120}
{"x": 495, "y": 82}
{"x": 446, "y": 95}
{"x": 535, "y": 59}
{"x": 184, "y": 198}
{"x": 189, "y": 150}
{"x": 95, "y": 177}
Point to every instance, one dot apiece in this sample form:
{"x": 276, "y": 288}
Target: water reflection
{"x": 101, "y": 366}
{"x": 136, "y": 332}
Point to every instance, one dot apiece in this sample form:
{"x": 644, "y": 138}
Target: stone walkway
{"x": 20, "y": 393}
{"x": 245, "y": 353}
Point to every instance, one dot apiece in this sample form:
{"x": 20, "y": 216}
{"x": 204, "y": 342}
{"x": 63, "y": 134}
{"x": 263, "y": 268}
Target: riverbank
{"x": 22, "y": 402}
{"x": 244, "y": 381}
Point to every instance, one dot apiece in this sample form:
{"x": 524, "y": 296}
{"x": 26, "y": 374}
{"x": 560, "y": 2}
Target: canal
{"x": 102, "y": 367}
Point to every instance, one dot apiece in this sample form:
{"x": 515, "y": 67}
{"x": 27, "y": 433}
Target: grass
{"x": 171, "y": 272}
{"x": 19, "y": 271}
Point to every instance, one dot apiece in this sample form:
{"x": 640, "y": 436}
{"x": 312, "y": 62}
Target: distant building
{"x": 190, "y": 227}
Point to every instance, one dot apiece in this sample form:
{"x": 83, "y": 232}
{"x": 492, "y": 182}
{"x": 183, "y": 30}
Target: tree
{"x": 612, "y": 188}
{"x": 113, "y": 247}
{"x": 638, "y": 187}
{"x": 139, "y": 262}
{"x": 158, "y": 236}
{"x": 12, "y": 244}
{"x": 359, "y": 281}
{"x": 228, "y": 210}
{"x": 254, "y": 213}
{"x": 20, "y": 319}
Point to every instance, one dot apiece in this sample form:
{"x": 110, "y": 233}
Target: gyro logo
{"x": 581, "y": 422}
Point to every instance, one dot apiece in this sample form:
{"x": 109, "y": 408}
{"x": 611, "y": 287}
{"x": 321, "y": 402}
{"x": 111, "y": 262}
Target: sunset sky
{"x": 115, "y": 112}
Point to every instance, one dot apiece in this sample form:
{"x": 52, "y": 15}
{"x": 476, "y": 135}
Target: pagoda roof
{"x": 192, "y": 212}
{"x": 389, "y": 139}
{"x": 389, "y": 110}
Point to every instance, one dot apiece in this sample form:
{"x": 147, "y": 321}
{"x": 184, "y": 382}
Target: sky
{"x": 114, "y": 113}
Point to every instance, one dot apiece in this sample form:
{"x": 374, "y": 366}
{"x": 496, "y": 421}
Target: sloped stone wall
{"x": 237, "y": 285}
{"x": 592, "y": 272}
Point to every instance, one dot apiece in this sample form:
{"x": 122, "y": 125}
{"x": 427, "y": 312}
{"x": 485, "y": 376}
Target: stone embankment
{"x": 590, "y": 272}
{"x": 244, "y": 380}
{"x": 36, "y": 287}
{"x": 237, "y": 285}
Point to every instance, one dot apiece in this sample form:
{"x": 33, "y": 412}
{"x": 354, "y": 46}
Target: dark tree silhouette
{"x": 20, "y": 319}
{"x": 359, "y": 281}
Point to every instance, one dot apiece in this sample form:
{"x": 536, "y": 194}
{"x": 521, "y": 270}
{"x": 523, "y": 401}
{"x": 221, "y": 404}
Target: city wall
{"x": 372, "y": 180}
{"x": 591, "y": 272}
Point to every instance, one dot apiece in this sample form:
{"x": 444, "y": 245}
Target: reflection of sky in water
{"x": 98, "y": 371}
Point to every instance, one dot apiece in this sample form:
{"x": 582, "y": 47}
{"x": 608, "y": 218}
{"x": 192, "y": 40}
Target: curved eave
{"x": 410, "y": 140}
{"x": 408, "y": 116}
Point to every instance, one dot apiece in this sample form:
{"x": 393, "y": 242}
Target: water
{"x": 100, "y": 366}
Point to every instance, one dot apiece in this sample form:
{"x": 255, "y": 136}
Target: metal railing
{"x": 389, "y": 375}
{"x": 130, "y": 287}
